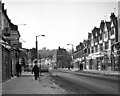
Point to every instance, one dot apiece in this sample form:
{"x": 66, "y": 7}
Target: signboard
{"x": 14, "y": 35}
{"x": 6, "y": 33}
{"x": 17, "y": 45}
{"x": 14, "y": 42}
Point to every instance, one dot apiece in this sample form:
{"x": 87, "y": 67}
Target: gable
{"x": 105, "y": 27}
{"x": 112, "y": 24}
{"x": 100, "y": 31}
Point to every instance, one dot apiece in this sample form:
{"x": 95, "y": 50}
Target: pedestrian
{"x": 18, "y": 69}
{"x": 35, "y": 70}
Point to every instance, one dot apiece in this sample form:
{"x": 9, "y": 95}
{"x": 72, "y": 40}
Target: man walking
{"x": 35, "y": 70}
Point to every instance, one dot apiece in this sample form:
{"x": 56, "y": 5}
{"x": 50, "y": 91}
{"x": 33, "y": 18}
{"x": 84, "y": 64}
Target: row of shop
{"x": 106, "y": 60}
{"x": 10, "y": 57}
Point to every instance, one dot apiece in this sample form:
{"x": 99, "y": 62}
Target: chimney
{"x": 3, "y": 5}
{"x": 112, "y": 16}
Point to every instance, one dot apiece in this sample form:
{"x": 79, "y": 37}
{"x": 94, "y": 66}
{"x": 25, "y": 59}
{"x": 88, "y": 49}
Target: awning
{"x": 5, "y": 45}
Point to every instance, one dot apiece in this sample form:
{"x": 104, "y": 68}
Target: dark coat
{"x": 18, "y": 67}
{"x": 35, "y": 70}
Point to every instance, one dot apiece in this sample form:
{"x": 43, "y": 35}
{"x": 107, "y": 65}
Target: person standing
{"x": 18, "y": 69}
{"x": 35, "y": 70}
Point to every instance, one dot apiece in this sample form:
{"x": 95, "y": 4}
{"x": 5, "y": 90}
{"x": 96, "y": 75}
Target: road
{"x": 83, "y": 83}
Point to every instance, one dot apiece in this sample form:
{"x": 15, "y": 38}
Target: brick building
{"x": 9, "y": 45}
{"x": 63, "y": 59}
{"x": 97, "y": 52}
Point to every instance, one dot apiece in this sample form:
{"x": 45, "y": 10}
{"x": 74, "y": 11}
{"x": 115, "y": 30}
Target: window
{"x": 96, "y": 49}
{"x": 92, "y": 51}
{"x": 85, "y": 51}
{"x": 106, "y": 34}
{"x": 101, "y": 47}
{"x": 88, "y": 50}
{"x": 112, "y": 41}
{"x": 112, "y": 31}
{"x": 100, "y": 36}
{"x": 106, "y": 45}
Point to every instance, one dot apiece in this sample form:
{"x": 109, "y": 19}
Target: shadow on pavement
{"x": 26, "y": 75}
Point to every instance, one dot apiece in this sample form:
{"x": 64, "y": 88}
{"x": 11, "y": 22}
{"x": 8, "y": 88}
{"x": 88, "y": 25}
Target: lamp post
{"x": 72, "y": 47}
{"x": 72, "y": 50}
{"x": 37, "y": 45}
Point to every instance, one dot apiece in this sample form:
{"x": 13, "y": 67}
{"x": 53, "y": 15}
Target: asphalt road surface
{"x": 83, "y": 83}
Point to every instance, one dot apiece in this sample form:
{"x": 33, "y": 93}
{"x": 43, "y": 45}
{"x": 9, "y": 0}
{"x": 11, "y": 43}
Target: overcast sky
{"x": 62, "y": 21}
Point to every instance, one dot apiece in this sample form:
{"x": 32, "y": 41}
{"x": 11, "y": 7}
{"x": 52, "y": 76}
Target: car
{"x": 44, "y": 68}
{"x": 28, "y": 69}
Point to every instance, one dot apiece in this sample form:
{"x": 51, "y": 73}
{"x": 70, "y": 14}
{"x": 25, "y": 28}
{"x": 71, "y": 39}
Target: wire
{"x": 22, "y": 40}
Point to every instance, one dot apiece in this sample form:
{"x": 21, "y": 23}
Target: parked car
{"x": 44, "y": 68}
{"x": 28, "y": 69}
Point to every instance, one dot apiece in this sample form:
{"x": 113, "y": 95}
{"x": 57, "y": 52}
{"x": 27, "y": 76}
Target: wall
{"x": 0, "y": 45}
{"x": 119, "y": 21}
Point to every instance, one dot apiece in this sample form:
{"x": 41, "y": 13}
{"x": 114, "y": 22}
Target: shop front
{"x": 6, "y": 63}
{"x": 116, "y": 60}
{"x": 76, "y": 64}
{"x": 97, "y": 61}
{"x": 89, "y": 62}
{"x": 116, "y": 57}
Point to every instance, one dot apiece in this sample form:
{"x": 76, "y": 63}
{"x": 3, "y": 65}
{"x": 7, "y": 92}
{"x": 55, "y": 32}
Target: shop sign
{"x": 14, "y": 42}
{"x": 6, "y": 33}
{"x": 14, "y": 35}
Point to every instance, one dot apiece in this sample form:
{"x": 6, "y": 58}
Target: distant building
{"x": 63, "y": 59}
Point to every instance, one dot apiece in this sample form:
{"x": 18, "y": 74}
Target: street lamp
{"x": 21, "y": 24}
{"x": 72, "y": 50}
{"x": 72, "y": 47}
{"x": 37, "y": 45}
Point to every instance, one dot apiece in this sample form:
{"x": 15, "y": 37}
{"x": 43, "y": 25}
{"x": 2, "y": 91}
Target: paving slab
{"x": 26, "y": 84}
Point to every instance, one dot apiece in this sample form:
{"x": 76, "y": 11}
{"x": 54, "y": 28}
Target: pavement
{"x": 26, "y": 84}
{"x": 106, "y": 72}
{"x": 0, "y": 89}
{"x": 92, "y": 71}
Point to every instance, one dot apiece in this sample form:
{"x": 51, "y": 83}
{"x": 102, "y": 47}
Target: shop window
{"x": 106, "y": 45}
{"x": 112, "y": 41}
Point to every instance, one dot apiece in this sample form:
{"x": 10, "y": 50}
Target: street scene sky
{"x": 61, "y": 21}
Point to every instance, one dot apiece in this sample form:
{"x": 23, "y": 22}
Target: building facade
{"x": 63, "y": 59}
{"x": 10, "y": 50}
{"x": 79, "y": 55}
{"x": 99, "y": 51}
{"x": 0, "y": 41}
